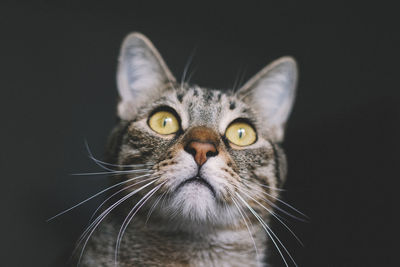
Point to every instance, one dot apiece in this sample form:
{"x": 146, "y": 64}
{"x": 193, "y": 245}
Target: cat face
{"x": 208, "y": 152}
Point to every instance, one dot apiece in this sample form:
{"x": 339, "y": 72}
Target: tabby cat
{"x": 196, "y": 171}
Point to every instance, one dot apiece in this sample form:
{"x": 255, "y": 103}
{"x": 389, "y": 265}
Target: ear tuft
{"x": 272, "y": 93}
{"x": 141, "y": 74}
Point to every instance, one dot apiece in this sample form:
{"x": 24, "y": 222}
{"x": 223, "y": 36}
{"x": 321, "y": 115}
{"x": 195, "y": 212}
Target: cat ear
{"x": 141, "y": 75}
{"x": 271, "y": 92}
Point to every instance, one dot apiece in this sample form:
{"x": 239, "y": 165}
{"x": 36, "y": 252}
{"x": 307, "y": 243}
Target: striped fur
{"x": 192, "y": 225}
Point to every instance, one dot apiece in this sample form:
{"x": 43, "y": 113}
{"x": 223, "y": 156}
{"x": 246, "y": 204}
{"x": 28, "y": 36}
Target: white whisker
{"x": 288, "y": 205}
{"x": 112, "y": 172}
{"x": 238, "y": 80}
{"x": 269, "y": 231}
{"x": 248, "y": 228}
{"x": 273, "y": 214}
{"x": 97, "y": 194}
{"x": 102, "y": 163}
{"x": 187, "y": 65}
{"x": 130, "y": 216}
{"x": 267, "y": 186}
{"x": 191, "y": 75}
{"x": 101, "y": 217}
{"x": 120, "y": 165}
{"x": 119, "y": 191}
{"x": 104, "y": 213}
{"x": 281, "y": 201}
{"x": 154, "y": 206}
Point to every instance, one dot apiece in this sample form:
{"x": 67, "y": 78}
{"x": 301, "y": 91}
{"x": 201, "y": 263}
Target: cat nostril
{"x": 191, "y": 151}
{"x": 211, "y": 154}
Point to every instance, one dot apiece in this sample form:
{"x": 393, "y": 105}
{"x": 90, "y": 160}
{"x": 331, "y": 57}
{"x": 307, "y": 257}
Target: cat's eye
{"x": 241, "y": 134}
{"x": 164, "y": 122}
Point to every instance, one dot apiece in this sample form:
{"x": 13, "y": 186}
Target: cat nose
{"x": 201, "y": 151}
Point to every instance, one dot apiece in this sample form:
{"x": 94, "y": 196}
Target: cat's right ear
{"x": 272, "y": 92}
{"x": 141, "y": 75}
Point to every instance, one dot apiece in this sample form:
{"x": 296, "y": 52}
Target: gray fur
{"x": 190, "y": 226}
{"x": 272, "y": 92}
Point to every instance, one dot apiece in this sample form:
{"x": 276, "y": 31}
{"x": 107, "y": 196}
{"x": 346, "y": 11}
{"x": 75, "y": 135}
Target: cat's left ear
{"x": 141, "y": 76}
{"x": 271, "y": 92}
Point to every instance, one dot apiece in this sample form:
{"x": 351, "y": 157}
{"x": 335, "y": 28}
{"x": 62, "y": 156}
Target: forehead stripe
{"x": 180, "y": 97}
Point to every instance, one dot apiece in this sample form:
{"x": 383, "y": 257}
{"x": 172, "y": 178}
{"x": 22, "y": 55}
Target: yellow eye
{"x": 164, "y": 122}
{"x": 241, "y": 134}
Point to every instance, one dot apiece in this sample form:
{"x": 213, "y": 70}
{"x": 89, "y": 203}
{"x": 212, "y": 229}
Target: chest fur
{"x": 147, "y": 247}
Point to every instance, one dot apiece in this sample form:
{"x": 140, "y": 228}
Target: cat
{"x": 198, "y": 170}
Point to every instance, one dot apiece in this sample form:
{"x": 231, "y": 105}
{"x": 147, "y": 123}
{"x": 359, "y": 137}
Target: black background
{"x": 58, "y": 65}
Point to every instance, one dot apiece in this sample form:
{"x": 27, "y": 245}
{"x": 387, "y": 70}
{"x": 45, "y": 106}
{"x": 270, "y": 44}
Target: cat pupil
{"x": 241, "y": 132}
{"x": 165, "y": 121}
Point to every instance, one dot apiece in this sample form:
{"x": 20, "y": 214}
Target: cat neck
{"x": 200, "y": 247}
{"x": 154, "y": 244}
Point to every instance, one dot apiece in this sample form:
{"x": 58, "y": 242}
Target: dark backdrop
{"x": 58, "y": 65}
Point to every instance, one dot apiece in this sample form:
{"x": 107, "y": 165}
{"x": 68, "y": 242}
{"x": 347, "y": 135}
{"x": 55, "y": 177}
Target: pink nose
{"x": 201, "y": 151}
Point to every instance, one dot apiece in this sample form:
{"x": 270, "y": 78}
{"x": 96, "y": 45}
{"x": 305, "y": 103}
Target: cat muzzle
{"x": 200, "y": 181}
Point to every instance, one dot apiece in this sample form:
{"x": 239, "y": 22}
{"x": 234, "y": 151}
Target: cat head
{"x": 207, "y": 151}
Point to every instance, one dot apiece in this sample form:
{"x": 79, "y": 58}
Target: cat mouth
{"x": 200, "y": 181}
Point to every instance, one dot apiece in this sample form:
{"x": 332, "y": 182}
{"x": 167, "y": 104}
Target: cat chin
{"x": 194, "y": 204}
